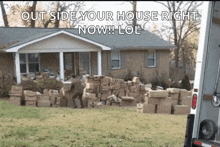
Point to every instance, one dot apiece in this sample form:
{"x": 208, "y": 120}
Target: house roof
{"x": 17, "y": 36}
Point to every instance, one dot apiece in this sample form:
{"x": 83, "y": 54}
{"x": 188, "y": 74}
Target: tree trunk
{"x": 57, "y": 21}
{"x": 134, "y": 11}
{"x": 4, "y": 15}
{"x": 34, "y": 14}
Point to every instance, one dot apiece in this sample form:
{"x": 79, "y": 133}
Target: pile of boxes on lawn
{"x": 111, "y": 91}
{"x": 31, "y": 98}
{"x": 169, "y": 101}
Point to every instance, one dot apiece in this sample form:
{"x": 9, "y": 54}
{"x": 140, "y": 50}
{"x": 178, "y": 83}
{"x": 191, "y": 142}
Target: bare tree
{"x": 179, "y": 30}
{"x": 4, "y": 15}
{"x": 34, "y": 14}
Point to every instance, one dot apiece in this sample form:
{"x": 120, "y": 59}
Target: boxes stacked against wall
{"x": 30, "y": 98}
{"x": 16, "y": 94}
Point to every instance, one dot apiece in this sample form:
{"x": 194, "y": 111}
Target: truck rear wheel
{"x": 207, "y": 129}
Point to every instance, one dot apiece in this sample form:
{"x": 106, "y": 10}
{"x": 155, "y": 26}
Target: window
{"x": 29, "y": 63}
{"x": 151, "y": 59}
{"x": 115, "y": 59}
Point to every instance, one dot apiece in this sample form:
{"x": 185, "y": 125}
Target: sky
{"x": 112, "y": 6}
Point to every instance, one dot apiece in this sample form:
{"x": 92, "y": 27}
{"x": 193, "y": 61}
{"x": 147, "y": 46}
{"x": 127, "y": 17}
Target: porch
{"x": 61, "y": 52}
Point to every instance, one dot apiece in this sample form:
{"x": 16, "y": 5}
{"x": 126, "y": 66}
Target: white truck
{"x": 203, "y": 123}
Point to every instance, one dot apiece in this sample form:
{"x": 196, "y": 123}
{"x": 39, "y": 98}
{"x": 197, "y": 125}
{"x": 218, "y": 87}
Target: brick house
{"x": 29, "y": 50}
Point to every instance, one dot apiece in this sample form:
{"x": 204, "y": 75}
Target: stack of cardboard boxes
{"x": 16, "y": 94}
{"x": 30, "y": 98}
{"x": 99, "y": 88}
{"x": 170, "y": 101}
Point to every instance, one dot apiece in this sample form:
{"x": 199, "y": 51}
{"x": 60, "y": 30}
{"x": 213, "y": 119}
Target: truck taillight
{"x": 197, "y": 143}
{"x": 194, "y": 101}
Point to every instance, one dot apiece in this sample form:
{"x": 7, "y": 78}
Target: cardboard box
{"x": 174, "y": 102}
{"x": 124, "y": 85}
{"x": 88, "y": 95}
{"x": 166, "y": 101}
{"x": 150, "y": 100}
{"x": 140, "y": 107}
{"x": 66, "y": 86}
{"x": 147, "y": 108}
{"x": 127, "y": 103}
{"x": 46, "y": 91}
{"x": 183, "y": 94}
{"x": 30, "y": 95}
{"x": 187, "y": 101}
{"x": 16, "y": 90}
{"x": 53, "y": 92}
{"x": 30, "y": 103}
{"x": 136, "y": 80}
{"x": 55, "y": 100}
{"x": 158, "y": 93}
{"x": 43, "y": 103}
{"x": 15, "y": 102}
{"x": 63, "y": 102}
{"x": 181, "y": 109}
{"x": 130, "y": 83}
{"x": 174, "y": 96}
{"x": 42, "y": 97}
{"x": 15, "y": 97}
{"x": 105, "y": 80}
{"x": 164, "y": 108}
{"x": 173, "y": 90}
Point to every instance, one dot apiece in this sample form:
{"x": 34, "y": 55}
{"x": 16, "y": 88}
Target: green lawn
{"x": 32, "y": 126}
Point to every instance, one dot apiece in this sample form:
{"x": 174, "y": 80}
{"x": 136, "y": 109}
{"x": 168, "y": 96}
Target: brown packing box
{"x": 15, "y": 102}
{"x": 136, "y": 80}
{"x": 134, "y": 89}
{"x": 134, "y": 94}
{"x": 66, "y": 86}
{"x": 183, "y": 94}
{"x": 148, "y": 108}
{"x": 90, "y": 86}
{"x": 46, "y": 91}
{"x": 106, "y": 80}
{"x": 174, "y": 102}
{"x": 30, "y": 103}
{"x": 43, "y": 103}
{"x": 88, "y": 95}
{"x": 190, "y": 93}
{"x": 16, "y": 89}
{"x": 130, "y": 83}
{"x": 15, "y": 97}
{"x": 63, "y": 102}
{"x": 115, "y": 86}
{"x": 174, "y": 96}
{"x": 187, "y": 101}
{"x": 30, "y": 95}
{"x": 142, "y": 88}
{"x": 181, "y": 109}
{"x": 127, "y": 103}
{"x": 173, "y": 90}
{"x": 55, "y": 100}
{"x": 43, "y": 97}
{"x": 53, "y": 92}
{"x": 166, "y": 101}
{"x": 104, "y": 96}
{"x": 124, "y": 85}
{"x": 150, "y": 100}
{"x": 164, "y": 108}
{"x": 158, "y": 93}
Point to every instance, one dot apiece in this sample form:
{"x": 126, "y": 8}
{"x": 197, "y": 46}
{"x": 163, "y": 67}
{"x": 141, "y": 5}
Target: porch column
{"x": 17, "y": 68}
{"x": 61, "y": 66}
{"x": 99, "y": 62}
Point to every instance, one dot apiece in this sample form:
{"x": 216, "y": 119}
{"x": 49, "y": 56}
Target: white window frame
{"x": 27, "y": 62}
{"x": 155, "y": 58}
{"x": 119, "y": 59}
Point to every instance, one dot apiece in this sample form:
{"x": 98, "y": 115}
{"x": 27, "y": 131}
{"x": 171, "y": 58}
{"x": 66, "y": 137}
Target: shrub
{"x": 128, "y": 76}
{"x": 30, "y": 85}
{"x": 6, "y": 85}
{"x": 159, "y": 81}
{"x": 141, "y": 76}
{"x": 185, "y": 84}
{"x": 50, "y": 83}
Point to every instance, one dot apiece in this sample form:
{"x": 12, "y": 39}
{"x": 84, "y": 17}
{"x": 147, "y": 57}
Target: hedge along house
{"x": 29, "y": 50}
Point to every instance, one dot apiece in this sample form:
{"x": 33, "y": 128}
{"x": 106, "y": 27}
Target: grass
{"x": 23, "y": 126}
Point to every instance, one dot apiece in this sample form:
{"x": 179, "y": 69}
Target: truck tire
{"x": 207, "y": 129}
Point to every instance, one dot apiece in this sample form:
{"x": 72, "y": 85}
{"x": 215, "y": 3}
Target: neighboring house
{"x": 28, "y": 50}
